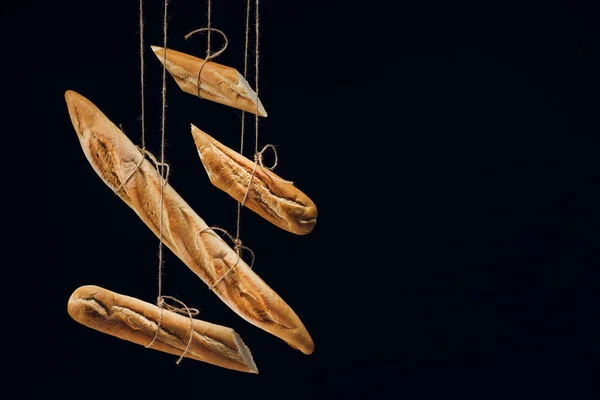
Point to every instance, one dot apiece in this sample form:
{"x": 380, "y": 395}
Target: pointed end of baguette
{"x": 158, "y": 52}
{"x": 204, "y": 144}
{"x": 245, "y": 353}
{"x": 261, "y": 109}
{"x": 81, "y": 111}
{"x": 177, "y": 64}
{"x": 201, "y": 138}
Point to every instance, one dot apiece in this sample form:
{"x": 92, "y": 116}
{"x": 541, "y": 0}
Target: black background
{"x": 452, "y": 151}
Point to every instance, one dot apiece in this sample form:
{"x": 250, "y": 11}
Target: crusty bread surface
{"x": 273, "y": 198}
{"x": 137, "y": 321}
{"x": 122, "y": 167}
{"x": 218, "y": 82}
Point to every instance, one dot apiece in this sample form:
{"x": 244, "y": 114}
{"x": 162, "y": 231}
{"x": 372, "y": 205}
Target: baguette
{"x": 136, "y": 181}
{"x": 218, "y": 83}
{"x": 137, "y": 321}
{"x": 275, "y": 199}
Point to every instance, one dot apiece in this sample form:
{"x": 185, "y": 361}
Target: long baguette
{"x": 123, "y": 168}
{"x": 138, "y": 321}
{"x": 218, "y": 83}
{"x": 275, "y": 199}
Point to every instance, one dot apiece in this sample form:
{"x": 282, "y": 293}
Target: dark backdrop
{"x": 452, "y": 151}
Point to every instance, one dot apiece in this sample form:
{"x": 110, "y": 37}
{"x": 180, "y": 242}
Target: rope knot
{"x": 209, "y": 56}
{"x": 258, "y": 157}
{"x": 237, "y": 247}
{"x": 162, "y": 168}
{"x": 183, "y": 310}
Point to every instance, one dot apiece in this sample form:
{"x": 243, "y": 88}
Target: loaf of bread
{"x": 137, "y": 182}
{"x": 138, "y": 321}
{"x": 273, "y": 198}
{"x": 218, "y": 83}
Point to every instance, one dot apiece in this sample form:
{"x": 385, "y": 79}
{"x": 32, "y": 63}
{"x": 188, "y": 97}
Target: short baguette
{"x": 137, "y": 321}
{"x": 123, "y": 168}
{"x": 273, "y": 198}
{"x": 218, "y": 83}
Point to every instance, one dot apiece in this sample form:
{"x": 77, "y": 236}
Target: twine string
{"x": 208, "y": 56}
{"x": 164, "y": 170}
{"x": 183, "y": 310}
{"x": 142, "y": 69}
{"x": 160, "y": 167}
{"x": 162, "y": 146}
{"x": 239, "y": 205}
{"x": 256, "y": 58}
{"x": 237, "y": 247}
{"x": 258, "y": 161}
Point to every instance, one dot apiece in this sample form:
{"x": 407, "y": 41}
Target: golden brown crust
{"x": 242, "y": 290}
{"x": 218, "y": 83}
{"x": 137, "y": 321}
{"x": 273, "y": 198}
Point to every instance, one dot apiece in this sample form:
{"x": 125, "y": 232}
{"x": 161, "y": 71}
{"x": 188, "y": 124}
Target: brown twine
{"x": 162, "y": 146}
{"x": 245, "y": 70}
{"x": 209, "y": 56}
{"x": 157, "y": 164}
{"x": 256, "y": 57}
{"x": 162, "y": 150}
{"x": 239, "y": 205}
{"x": 143, "y": 116}
{"x": 142, "y": 68}
{"x": 163, "y": 180}
{"x": 191, "y": 312}
{"x": 258, "y": 161}
{"x": 238, "y": 247}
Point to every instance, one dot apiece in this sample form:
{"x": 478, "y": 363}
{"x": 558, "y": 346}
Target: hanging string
{"x": 208, "y": 56}
{"x": 161, "y": 166}
{"x": 208, "y": 26}
{"x": 184, "y": 310}
{"x": 240, "y": 205}
{"x": 237, "y": 246}
{"x": 245, "y": 70}
{"x": 162, "y": 151}
{"x": 157, "y": 164}
{"x": 256, "y": 57}
{"x": 142, "y": 68}
{"x": 258, "y": 160}
{"x": 258, "y": 154}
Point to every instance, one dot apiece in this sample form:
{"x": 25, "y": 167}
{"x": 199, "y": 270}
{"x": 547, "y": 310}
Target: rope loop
{"x": 238, "y": 247}
{"x": 183, "y": 310}
{"x": 209, "y": 56}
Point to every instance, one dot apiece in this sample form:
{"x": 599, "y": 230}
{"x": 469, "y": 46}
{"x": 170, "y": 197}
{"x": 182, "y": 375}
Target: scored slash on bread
{"x": 137, "y": 182}
{"x": 218, "y": 83}
{"x": 137, "y": 321}
{"x": 273, "y": 198}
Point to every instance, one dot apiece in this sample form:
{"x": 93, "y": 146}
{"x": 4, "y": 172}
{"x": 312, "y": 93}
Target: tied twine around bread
{"x": 184, "y": 309}
{"x": 160, "y": 301}
{"x": 162, "y": 166}
{"x": 117, "y": 160}
{"x": 255, "y": 185}
{"x": 238, "y": 246}
{"x": 143, "y": 323}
